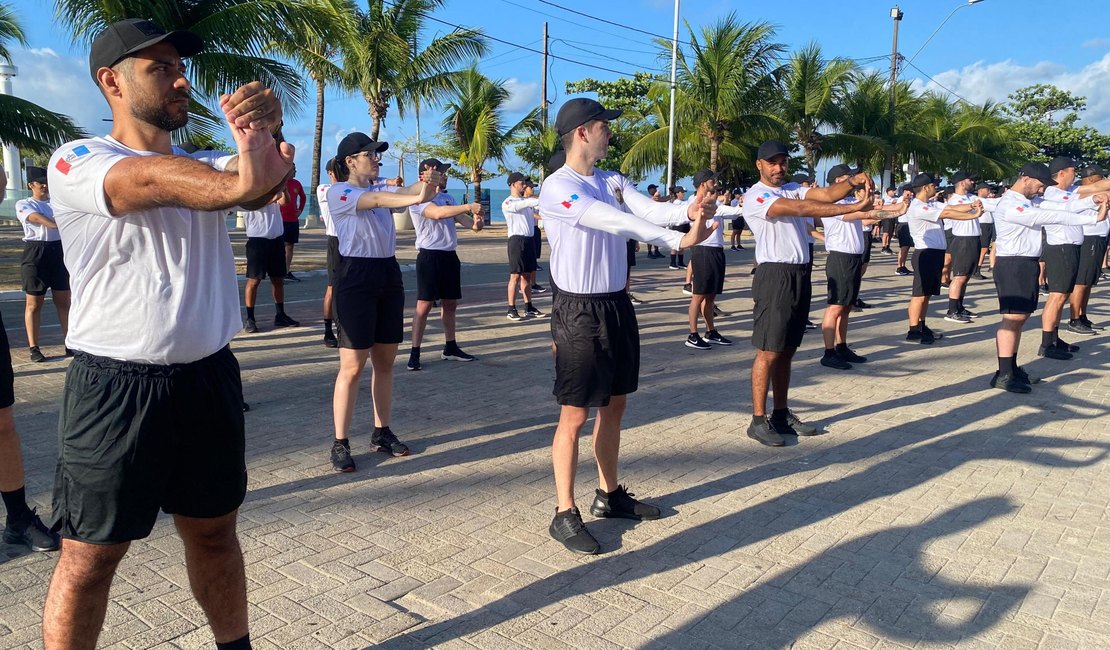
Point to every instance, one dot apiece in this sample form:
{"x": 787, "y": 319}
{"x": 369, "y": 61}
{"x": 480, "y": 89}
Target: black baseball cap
{"x": 1092, "y": 170}
{"x": 434, "y": 163}
{"x": 579, "y": 111}
{"x": 188, "y": 147}
{"x": 801, "y": 178}
{"x": 36, "y": 175}
{"x": 1038, "y": 171}
{"x": 921, "y": 180}
{"x": 1059, "y": 164}
{"x": 515, "y": 177}
{"x": 839, "y": 170}
{"x": 770, "y": 149}
{"x": 678, "y": 189}
{"x": 651, "y": 187}
{"x": 356, "y": 142}
{"x": 126, "y": 37}
{"x": 703, "y": 176}
{"x": 962, "y": 176}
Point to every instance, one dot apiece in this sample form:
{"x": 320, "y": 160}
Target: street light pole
{"x": 670, "y": 122}
{"x": 953, "y": 13}
{"x": 888, "y": 171}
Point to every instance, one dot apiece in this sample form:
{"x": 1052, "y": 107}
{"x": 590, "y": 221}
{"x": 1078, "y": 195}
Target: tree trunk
{"x": 476, "y": 178}
{"x": 317, "y": 137}
{"x": 811, "y": 163}
{"x": 377, "y": 110}
{"x": 714, "y": 152}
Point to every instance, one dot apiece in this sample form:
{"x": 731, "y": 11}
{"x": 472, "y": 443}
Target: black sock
{"x": 451, "y": 345}
{"x": 327, "y": 327}
{"x": 1006, "y": 366}
{"x": 759, "y": 419}
{"x": 954, "y": 305}
{"x": 830, "y": 352}
{"x": 528, "y": 306}
{"x": 280, "y": 307}
{"x": 238, "y": 644}
{"x": 840, "y": 346}
{"x": 915, "y": 328}
{"x": 1048, "y": 338}
{"x": 250, "y": 313}
{"x": 345, "y": 442}
{"x": 681, "y": 259}
{"x": 16, "y": 504}
{"x": 415, "y": 351}
{"x": 674, "y": 259}
{"x": 779, "y": 414}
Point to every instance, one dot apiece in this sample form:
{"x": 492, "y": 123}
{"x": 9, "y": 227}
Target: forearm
{"x": 445, "y": 211}
{"x": 41, "y": 220}
{"x": 1081, "y": 205}
{"x": 660, "y": 214}
{"x": 832, "y": 193}
{"x": 145, "y": 182}
{"x": 1036, "y": 217}
{"x": 959, "y": 213}
{"x": 729, "y": 211}
{"x": 604, "y": 217}
{"x": 1094, "y": 188}
{"x": 395, "y": 201}
{"x": 794, "y": 208}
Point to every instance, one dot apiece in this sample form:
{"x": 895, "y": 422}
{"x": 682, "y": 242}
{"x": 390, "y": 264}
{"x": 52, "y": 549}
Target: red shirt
{"x": 292, "y": 209}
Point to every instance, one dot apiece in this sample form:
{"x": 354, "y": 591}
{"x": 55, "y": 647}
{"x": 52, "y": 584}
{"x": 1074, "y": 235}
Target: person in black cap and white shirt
{"x": 779, "y": 215}
{"x": 903, "y": 233}
{"x": 1061, "y": 257}
{"x": 438, "y": 270}
{"x": 1018, "y": 222}
{"x": 537, "y": 235}
{"x": 593, "y": 324}
{"x": 707, "y": 267}
{"x": 925, "y": 217}
{"x": 846, "y": 243}
{"x": 520, "y": 216}
{"x": 155, "y": 304}
{"x": 963, "y": 247}
{"x": 986, "y": 229}
{"x": 1091, "y": 254}
{"x": 43, "y": 267}
{"x": 332, "y": 259}
{"x": 369, "y": 295}
{"x": 266, "y": 257}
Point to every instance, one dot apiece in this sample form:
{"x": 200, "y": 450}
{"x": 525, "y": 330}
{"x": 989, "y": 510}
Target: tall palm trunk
{"x": 714, "y": 151}
{"x": 317, "y": 137}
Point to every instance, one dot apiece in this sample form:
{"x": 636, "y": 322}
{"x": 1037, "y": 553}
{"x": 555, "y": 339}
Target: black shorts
{"x": 905, "y": 237}
{"x": 868, "y": 239}
{"x": 965, "y": 254}
{"x": 7, "y": 373}
{"x": 708, "y": 276}
{"x": 134, "y": 438}
{"x": 369, "y": 301}
{"x": 597, "y": 347}
{"x": 738, "y": 224}
{"x": 522, "y": 255}
{"x": 265, "y": 257}
{"x": 438, "y": 275}
{"x": 333, "y": 259}
{"x": 1061, "y": 266}
{"x": 948, "y": 236}
{"x": 292, "y": 234}
{"x": 537, "y": 241}
{"x": 845, "y": 273}
{"x": 986, "y": 235}
{"x": 631, "y": 253}
{"x": 1090, "y": 260}
{"x": 927, "y": 265}
{"x": 1015, "y": 279}
{"x": 782, "y": 294}
{"x": 43, "y": 267}
{"x": 887, "y": 226}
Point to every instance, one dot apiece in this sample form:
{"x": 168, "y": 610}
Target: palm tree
{"x": 474, "y": 123}
{"x": 388, "y": 66}
{"x": 813, "y": 86}
{"x": 29, "y": 127}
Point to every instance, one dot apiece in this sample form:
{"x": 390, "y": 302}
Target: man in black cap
{"x": 903, "y": 233}
{"x": 678, "y": 257}
{"x": 1018, "y": 222}
{"x": 963, "y": 248}
{"x": 438, "y": 270}
{"x": 155, "y": 305}
{"x": 926, "y": 217}
{"x": 520, "y": 218}
{"x": 333, "y": 257}
{"x": 707, "y": 268}
{"x": 1091, "y": 254}
{"x": 589, "y": 214}
{"x": 888, "y": 226}
{"x": 778, "y": 214}
{"x": 43, "y": 267}
{"x": 1061, "y": 258}
{"x": 986, "y": 228}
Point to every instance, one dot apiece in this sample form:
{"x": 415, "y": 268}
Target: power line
{"x": 598, "y": 54}
{"x": 561, "y": 19}
{"x": 950, "y": 91}
{"x": 610, "y": 22}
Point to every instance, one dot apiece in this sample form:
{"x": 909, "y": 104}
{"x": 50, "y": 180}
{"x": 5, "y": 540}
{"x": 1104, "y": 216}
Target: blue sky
{"x": 984, "y": 51}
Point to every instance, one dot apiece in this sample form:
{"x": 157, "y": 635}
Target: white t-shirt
{"x": 844, "y": 236}
{"x": 963, "y": 228}
{"x": 520, "y": 215}
{"x": 716, "y": 239}
{"x": 265, "y": 222}
{"x": 989, "y": 205}
{"x": 1056, "y": 235}
{"x": 434, "y": 234}
{"x": 362, "y": 233}
{"x": 924, "y": 220}
{"x": 1018, "y": 222}
{"x": 325, "y": 215}
{"x": 156, "y": 286}
{"x": 36, "y": 231}
{"x": 783, "y": 240}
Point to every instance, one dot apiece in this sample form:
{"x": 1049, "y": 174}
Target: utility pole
{"x": 543, "y": 97}
{"x": 670, "y": 121}
{"x": 888, "y": 173}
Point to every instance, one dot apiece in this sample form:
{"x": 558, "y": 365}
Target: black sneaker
{"x": 341, "y": 457}
{"x": 289, "y": 277}
{"x": 1079, "y": 327}
{"x": 915, "y": 335}
{"x": 455, "y": 353}
{"x": 283, "y": 320}
{"x": 1021, "y": 375}
{"x": 386, "y": 442}
{"x": 688, "y": 289}
{"x": 1086, "y": 321}
{"x": 928, "y": 336}
{"x": 414, "y": 362}
{"x": 697, "y": 342}
{"x": 732, "y": 248}
{"x": 978, "y": 275}
{"x": 532, "y": 312}
{"x": 1010, "y": 383}
{"x": 944, "y": 285}
{"x": 1065, "y": 346}
{"x": 831, "y": 360}
{"x": 246, "y": 407}
{"x": 969, "y": 314}
{"x": 1053, "y": 352}
{"x": 765, "y": 433}
{"x": 720, "y": 313}
{"x": 513, "y": 315}
{"x": 538, "y": 288}
{"x": 36, "y": 355}
{"x": 621, "y": 504}
{"x": 846, "y": 353}
{"x": 634, "y": 300}
{"x": 752, "y": 272}
{"x": 955, "y": 317}
{"x": 330, "y": 341}
{"x": 673, "y": 267}
{"x": 860, "y": 304}
{"x": 810, "y": 325}
{"x": 567, "y": 528}
{"x": 1044, "y": 289}
{"x": 901, "y": 270}
{"x": 790, "y": 425}
{"x": 69, "y": 353}
{"x": 713, "y": 336}
{"x": 32, "y": 533}
{"x": 886, "y": 251}
{"x": 250, "y": 327}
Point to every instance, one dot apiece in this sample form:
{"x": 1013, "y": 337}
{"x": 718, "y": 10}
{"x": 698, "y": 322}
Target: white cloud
{"x": 1097, "y": 43}
{"x": 981, "y": 81}
{"x": 61, "y": 84}
{"x": 522, "y": 96}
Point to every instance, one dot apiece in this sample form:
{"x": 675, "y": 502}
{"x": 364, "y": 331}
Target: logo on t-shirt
{"x": 1021, "y": 208}
{"x": 345, "y": 193}
{"x": 762, "y": 198}
{"x": 65, "y": 163}
{"x": 570, "y": 201}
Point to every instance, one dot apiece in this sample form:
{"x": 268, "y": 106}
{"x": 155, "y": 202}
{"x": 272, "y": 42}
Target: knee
{"x": 88, "y": 569}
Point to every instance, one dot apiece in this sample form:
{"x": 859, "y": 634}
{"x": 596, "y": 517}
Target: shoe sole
{"x": 277, "y": 327}
{"x": 1019, "y": 391}
{"x": 957, "y": 320}
{"x": 593, "y": 551}
{"x": 1090, "y": 333}
{"x": 601, "y": 514}
{"x": 331, "y": 344}
{"x": 697, "y": 347}
{"x": 447, "y": 357}
{"x": 846, "y": 366}
{"x": 344, "y": 470}
{"x": 411, "y": 369}
{"x": 718, "y": 342}
{"x": 764, "y": 442}
{"x": 22, "y": 540}
{"x": 515, "y": 319}
{"x": 394, "y": 454}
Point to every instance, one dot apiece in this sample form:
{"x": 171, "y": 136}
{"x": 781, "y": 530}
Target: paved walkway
{"x": 935, "y": 513}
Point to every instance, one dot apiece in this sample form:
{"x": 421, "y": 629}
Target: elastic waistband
{"x": 116, "y": 366}
{"x": 785, "y": 266}
{"x": 1018, "y": 258}
{"x": 1077, "y": 245}
{"x": 44, "y": 244}
{"x": 615, "y": 295}
{"x": 434, "y": 251}
{"x": 371, "y": 261}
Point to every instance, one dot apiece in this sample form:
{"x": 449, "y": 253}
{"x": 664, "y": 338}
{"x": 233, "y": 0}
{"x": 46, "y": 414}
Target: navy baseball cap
{"x": 579, "y": 111}
{"x": 770, "y": 149}
{"x": 126, "y": 37}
